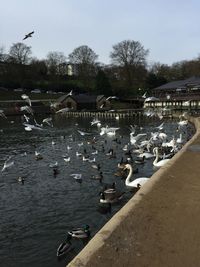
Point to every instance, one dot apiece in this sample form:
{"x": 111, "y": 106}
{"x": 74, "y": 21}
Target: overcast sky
{"x": 170, "y": 29}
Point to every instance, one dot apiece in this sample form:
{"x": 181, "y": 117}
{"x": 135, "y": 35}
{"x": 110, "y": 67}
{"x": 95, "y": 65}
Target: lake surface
{"x": 35, "y": 217}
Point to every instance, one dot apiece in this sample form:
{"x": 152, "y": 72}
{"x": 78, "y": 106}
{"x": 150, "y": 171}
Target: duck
{"x": 104, "y": 208}
{"x": 80, "y": 233}
{"x": 98, "y": 177}
{"x": 20, "y": 180}
{"x": 140, "y": 160}
{"x": 64, "y": 247}
{"x": 160, "y": 163}
{"x": 111, "y": 196}
{"x": 38, "y": 156}
{"x": 135, "y": 183}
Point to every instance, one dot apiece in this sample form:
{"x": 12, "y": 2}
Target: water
{"x": 35, "y": 217}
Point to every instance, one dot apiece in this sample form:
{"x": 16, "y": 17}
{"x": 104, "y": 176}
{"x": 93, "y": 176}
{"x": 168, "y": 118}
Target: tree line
{"x": 129, "y": 73}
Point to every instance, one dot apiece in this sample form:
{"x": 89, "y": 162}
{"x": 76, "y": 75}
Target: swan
{"x": 134, "y": 184}
{"x": 160, "y": 163}
{"x": 135, "y": 139}
{"x": 180, "y": 139}
{"x": 146, "y": 155}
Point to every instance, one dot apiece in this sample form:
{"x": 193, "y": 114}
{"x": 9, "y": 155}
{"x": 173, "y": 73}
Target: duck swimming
{"x": 64, "y": 247}
{"x": 111, "y": 197}
{"x": 80, "y": 233}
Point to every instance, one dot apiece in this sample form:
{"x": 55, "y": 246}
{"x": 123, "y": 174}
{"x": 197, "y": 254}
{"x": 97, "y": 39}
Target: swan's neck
{"x": 129, "y": 176}
{"x": 156, "y": 159}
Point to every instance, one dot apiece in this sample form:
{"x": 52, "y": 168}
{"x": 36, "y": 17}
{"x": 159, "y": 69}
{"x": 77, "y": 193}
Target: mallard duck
{"x": 98, "y": 177}
{"x": 38, "y": 156}
{"x": 111, "y": 197}
{"x": 64, "y": 247}
{"x": 80, "y": 233}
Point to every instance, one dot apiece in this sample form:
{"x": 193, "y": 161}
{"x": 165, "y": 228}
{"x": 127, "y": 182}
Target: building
{"x": 177, "y": 95}
{"x": 84, "y": 102}
{"x": 190, "y": 86}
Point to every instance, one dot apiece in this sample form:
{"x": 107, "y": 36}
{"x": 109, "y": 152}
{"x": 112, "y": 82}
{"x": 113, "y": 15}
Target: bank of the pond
{"x": 159, "y": 226}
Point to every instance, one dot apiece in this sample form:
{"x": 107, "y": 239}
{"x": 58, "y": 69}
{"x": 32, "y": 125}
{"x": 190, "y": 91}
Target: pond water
{"x": 35, "y": 216}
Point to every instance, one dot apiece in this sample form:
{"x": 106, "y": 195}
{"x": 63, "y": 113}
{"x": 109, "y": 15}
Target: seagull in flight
{"x": 28, "y": 35}
{"x": 112, "y": 97}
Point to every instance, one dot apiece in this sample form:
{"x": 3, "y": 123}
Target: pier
{"x": 159, "y": 226}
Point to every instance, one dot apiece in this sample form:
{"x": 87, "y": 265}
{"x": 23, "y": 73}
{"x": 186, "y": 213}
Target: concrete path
{"x": 160, "y": 225}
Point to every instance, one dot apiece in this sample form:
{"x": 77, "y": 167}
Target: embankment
{"x": 159, "y": 226}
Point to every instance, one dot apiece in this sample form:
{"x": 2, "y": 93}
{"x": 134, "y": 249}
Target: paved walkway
{"x": 160, "y": 225}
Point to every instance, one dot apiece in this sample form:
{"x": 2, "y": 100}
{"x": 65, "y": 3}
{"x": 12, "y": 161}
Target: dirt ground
{"x": 160, "y": 225}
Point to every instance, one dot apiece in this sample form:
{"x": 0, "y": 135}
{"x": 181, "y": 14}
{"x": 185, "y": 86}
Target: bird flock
{"x": 98, "y": 148}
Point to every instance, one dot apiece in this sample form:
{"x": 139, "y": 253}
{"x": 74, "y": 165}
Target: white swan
{"x": 180, "y": 139}
{"x": 160, "y": 163}
{"x": 134, "y": 184}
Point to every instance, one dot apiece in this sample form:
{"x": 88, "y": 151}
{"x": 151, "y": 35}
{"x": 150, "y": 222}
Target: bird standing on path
{"x": 28, "y": 35}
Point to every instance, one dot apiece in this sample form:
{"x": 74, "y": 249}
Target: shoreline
{"x": 156, "y": 225}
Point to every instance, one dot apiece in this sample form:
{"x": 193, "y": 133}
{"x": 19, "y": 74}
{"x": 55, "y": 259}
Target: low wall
{"x": 159, "y": 226}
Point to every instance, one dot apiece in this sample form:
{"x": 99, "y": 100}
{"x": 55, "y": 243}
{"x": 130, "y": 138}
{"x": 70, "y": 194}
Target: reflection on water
{"x": 36, "y": 216}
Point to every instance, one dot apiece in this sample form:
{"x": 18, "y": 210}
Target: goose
{"x": 160, "y": 163}
{"x": 134, "y": 184}
{"x": 80, "y": 233}
{"x": 64, "y": 247}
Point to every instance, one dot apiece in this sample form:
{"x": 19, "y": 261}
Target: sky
{"x": 169, "y": 29}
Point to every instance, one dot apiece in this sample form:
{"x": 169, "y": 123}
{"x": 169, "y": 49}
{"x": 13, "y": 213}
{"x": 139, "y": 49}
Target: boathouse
{"x": 176, "y": 95}
{"x": 190, "y": 86}
{"x": 81, "y": 102}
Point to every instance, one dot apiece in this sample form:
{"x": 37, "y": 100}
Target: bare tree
{"x": 3, "y": 56}
{"x": 20, "y": 53}
{"x": 84, "y": 60}
{"x": 83, "y": 55}
{"x": 130, "y": 56}
{"x": 56, "y": 63}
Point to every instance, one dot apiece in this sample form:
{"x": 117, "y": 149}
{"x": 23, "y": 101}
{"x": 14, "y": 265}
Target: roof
{"x": 192, "y": 81}
{"x": 82, "y": 98}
